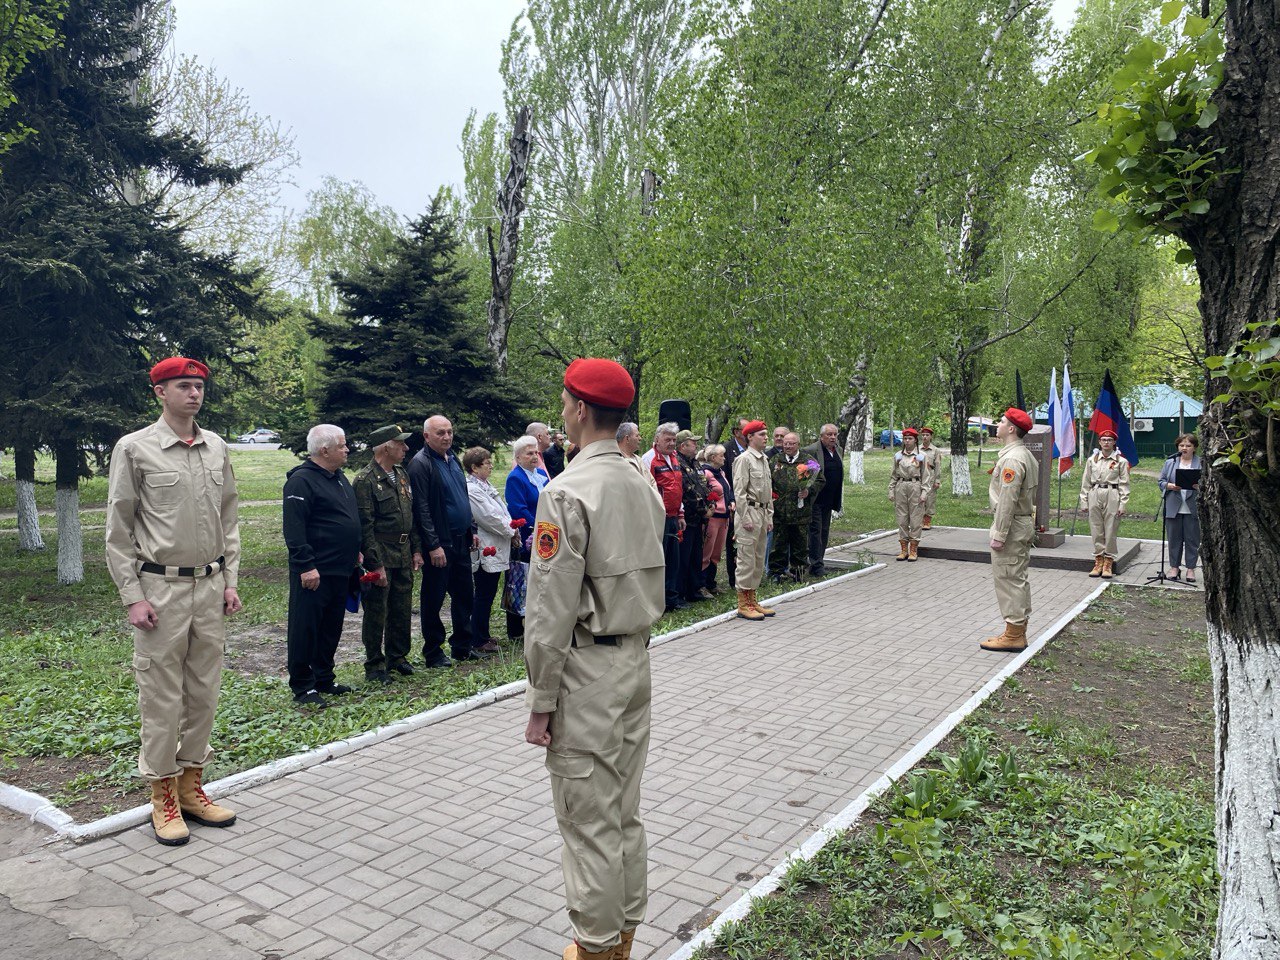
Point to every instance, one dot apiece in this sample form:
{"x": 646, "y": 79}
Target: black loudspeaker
{"x": 675, "y": 411}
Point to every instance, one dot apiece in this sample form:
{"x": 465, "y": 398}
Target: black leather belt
{"x": 605, "y": 640}
{"x": 392, "y": 538}
{"x": 755, "y": 503}
{"x": 1113, "y": 486}
{"x": 205, "y": 571}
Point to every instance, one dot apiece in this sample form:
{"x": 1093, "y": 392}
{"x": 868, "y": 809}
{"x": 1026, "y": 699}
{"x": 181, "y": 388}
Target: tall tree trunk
{"x": 1237, "y": 248}
{"x": 717, "y": 421}
{"x": 960, "y": 379}
{"x": 853, "y": 419}
{"x": 502, "y": 254}
{"x": 24, "y": 472}
{"x": 70, "y": 537}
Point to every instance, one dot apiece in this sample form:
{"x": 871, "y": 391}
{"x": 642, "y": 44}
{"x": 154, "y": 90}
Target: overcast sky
{"x": 376, "y": 92}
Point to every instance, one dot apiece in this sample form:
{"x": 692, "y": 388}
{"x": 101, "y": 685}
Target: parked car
{"x": 884, "y": 438}
{"x": 261, "y": 435}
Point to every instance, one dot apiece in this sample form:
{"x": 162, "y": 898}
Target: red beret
{"x": 1019, "y": 418}
{"x": 911, "y": 432}
{"x": 928, "y": 430}
{"x": 603, "y": 383}
{"x": 178, "y": 367}
{"x": 1108, "y": 433}
{"x": 752, "y": 426}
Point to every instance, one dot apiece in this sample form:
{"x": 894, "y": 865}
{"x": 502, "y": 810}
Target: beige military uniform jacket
{"x": 171, "y": 504}
{"x": 909, "y": 467}
{"x": 933, "y": 464}
{"x": 596, "y": 567}
{"x": 1112, "y": 471}
{"x": 753, "y": 487}
{"x": 1013, "y": 488}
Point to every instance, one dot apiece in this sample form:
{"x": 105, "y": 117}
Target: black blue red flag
{"x": 1108, "y": 415}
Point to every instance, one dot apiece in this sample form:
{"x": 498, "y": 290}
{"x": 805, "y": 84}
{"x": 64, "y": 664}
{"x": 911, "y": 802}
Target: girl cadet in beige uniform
{"x": 173, "y": 550}
{"x": 1104, "y": 492}
{"x": 596, "y": 588}
{"x": 753, "y": 494}
{"x": 907, "y": 485}
{"x": 1013, "y": 530}
{"x": 933, "y": 461}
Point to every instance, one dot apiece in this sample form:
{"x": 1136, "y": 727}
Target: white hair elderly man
{"x": 541, "y": 433}
{"x": 664, "y": 464}
{"x": 322, "y": 532}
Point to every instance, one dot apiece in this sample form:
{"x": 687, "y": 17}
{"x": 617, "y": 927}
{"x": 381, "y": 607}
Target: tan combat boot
{"x": 760, "y": 607}
{"x": 913, "y": 548}
{"x": 166, "y": 817}
{"x": 1098, "y": 563}
{"x": 1013, "y": 640}
{"x": 902, "y": 552}
{"x": 575, "y": 951}
{"x": 928, "y": 522}
{"x": 197, "y": 806}
{"x": 1108, "y": 568}
{"x": 624, "y": 953}
{"x": 745, "y": 609}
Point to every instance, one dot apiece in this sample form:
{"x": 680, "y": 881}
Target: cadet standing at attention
{"x": 596, "y": 588}
{"x": 1013, "y": 530}
{"x": 173, "y": 549}
{"x": 1104, "y": 492}
{"x": 389, "y": 542}
{"x": 907, "y": 485}
{"x": 753, "y": 494}
{"x": 933, "y": 461}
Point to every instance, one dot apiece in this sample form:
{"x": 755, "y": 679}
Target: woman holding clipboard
{"x": 1180, "y": 483}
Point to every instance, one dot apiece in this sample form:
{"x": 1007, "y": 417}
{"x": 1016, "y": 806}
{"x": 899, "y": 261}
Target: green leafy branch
{"x": 1156, "y": 158}
{"x": 1252, "y": 370}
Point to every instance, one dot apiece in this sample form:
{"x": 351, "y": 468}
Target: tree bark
{"x": 1237, "y": 249}
{"x": 717, "y": 421}
{"x": 502, "y": 255}
{"x": 960, "y": 383}
{"x": 853, "y": 419}
{"x": 24, "y": 473}
{"x": 70, "y": 535}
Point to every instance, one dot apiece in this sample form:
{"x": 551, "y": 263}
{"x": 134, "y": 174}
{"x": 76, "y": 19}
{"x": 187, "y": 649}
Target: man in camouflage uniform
{"x": 389, "y": 541}
{"x": 795, "y": 485}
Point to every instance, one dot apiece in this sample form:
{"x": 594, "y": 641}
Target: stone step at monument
{"x": 964, "y": 543}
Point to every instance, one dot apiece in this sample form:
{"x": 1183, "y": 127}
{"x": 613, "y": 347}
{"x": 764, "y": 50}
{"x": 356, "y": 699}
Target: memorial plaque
{"x": 1039, "y": 441}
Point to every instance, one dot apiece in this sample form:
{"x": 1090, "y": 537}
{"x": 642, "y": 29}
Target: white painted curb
{"x": 41, "y": 811}
{"x": 850, "y": 814}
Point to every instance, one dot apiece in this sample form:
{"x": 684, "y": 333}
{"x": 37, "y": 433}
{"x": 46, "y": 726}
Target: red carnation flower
{"x": 519, "y": 522}
{"x": 490, "y": 551}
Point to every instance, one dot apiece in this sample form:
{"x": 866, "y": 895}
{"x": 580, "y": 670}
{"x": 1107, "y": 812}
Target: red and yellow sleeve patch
{"x": 547, "y": 539}
{"x": 1009, "y": 475}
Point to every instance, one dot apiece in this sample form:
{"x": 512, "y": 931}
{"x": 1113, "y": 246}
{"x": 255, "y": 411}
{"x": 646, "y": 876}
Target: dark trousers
{"x": 730, "y": 557}
{"x": 819, "y": 537}
{"x": 671, "y": 557}
{"x": 388, "y": 613}
{"x": 486, "y": 584}
{"x": 790, "y": 549}
{"x": 691, "y": 580}
{"x": 315, "y": 627}
{"x": 454, "y": 578}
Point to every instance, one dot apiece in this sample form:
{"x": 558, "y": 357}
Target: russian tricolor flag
{"x": 1062, "y": 420}
{"x": 1108, "y": 415}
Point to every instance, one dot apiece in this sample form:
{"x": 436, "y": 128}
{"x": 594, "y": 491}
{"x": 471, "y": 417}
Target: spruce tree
{"x": 97, "y": 283}
{"x": 403, "y": 348}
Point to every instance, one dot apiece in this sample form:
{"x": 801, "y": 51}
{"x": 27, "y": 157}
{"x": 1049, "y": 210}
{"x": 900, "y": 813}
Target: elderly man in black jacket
{"x": 322, "y": 532}
{"x": 447, "y": 531}
{"x": 829, "y": 499}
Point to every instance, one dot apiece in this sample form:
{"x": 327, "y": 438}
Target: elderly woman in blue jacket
{"x": 525, "y": 483}
{"x": 1181, "y": 510}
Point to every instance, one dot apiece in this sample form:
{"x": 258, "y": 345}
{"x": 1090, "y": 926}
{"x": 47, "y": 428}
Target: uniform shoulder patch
{"x": 1009, "y": 475}
{"x": 547, "y": 539}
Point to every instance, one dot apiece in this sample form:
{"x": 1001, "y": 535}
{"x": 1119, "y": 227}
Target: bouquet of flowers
{"x": 808, "y": 472}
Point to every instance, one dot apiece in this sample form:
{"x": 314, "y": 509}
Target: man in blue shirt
{"x": 442, "y": 513}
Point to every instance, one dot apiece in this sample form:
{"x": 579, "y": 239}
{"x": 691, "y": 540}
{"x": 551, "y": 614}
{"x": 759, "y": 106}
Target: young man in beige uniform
{"x": 753, "y": 494}
{"x": 933, "y": 462}
{"x": 173, "y": 550}
{"x": 596, "y": 588}
{"x": 1104, "y": 492}
{"x": 1013, "y": 530}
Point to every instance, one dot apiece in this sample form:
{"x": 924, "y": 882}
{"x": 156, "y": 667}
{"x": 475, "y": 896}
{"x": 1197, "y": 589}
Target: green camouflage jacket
{"x": 388, "y": 536}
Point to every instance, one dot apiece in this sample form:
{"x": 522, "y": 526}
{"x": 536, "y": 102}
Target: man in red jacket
{"x": 665, "y": 466}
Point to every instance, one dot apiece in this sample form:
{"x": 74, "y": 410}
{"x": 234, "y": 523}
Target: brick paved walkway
{"x": 441, "y": 843}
